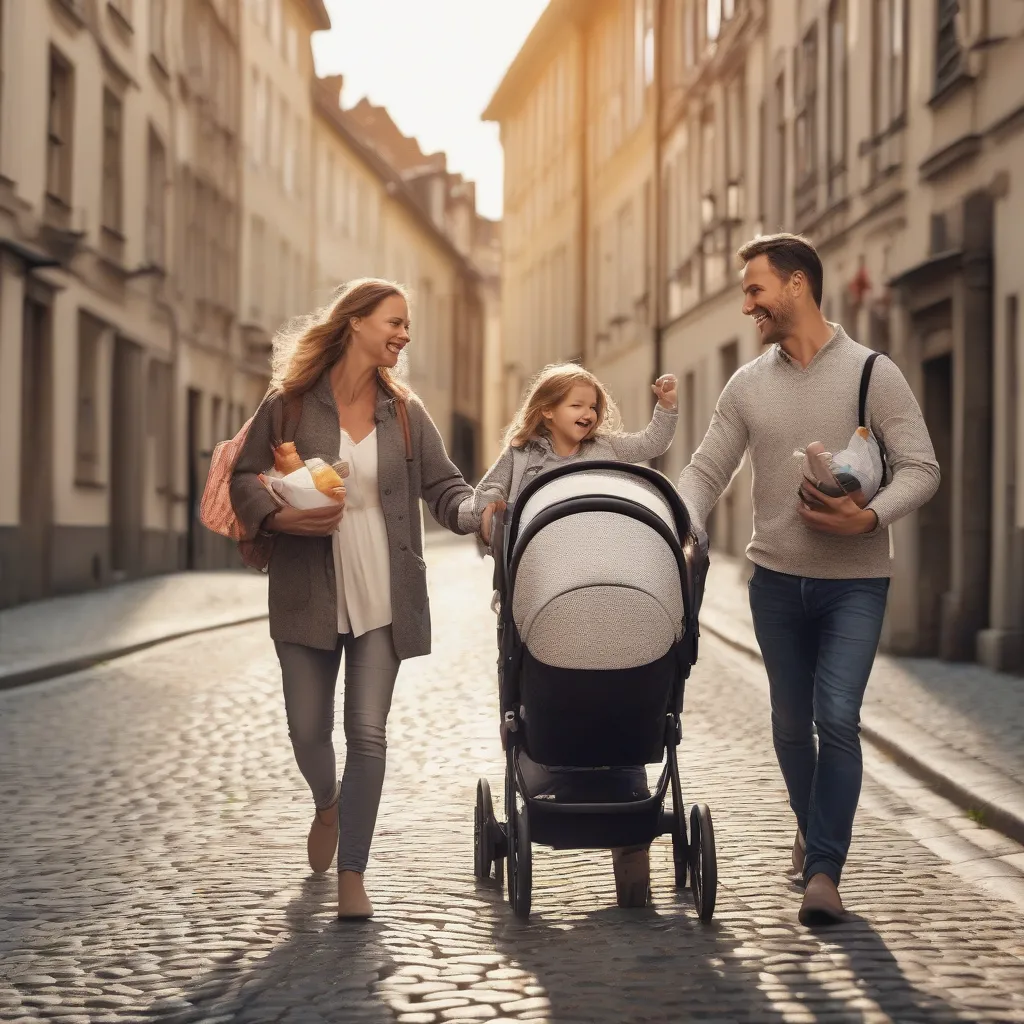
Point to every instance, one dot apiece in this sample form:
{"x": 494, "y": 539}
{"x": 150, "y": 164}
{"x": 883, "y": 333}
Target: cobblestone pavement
{"x": 152, "y": 865}
{"x": 974, "y": 712}
{"x": 64, "y": 628}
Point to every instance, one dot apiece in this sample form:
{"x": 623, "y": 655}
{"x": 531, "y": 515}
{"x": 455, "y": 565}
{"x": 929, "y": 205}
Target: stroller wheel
{"x": 483, "y": 831}
{"x": 520, "y": 866}
{"x": 703, "y": 861}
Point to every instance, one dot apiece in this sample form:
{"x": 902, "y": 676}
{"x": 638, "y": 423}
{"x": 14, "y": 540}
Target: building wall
{"x": 904, "y": 177}
{"x": 542, "y": 276}
{"x": 55, "y": 518}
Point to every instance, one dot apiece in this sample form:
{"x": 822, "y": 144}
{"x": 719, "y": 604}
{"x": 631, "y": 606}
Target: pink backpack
{"x": 217, "y": 513}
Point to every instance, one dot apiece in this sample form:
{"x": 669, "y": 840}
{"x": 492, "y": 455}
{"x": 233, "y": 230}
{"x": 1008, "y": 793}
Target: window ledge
{"x": 952, "y": 86}
{"x": 89, "y": 485}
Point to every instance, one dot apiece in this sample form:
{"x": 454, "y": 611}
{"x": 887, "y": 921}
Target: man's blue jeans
{"x": 818, "y": 639}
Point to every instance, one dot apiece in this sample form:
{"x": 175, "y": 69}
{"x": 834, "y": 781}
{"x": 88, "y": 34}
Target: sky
{"x": 435, "y": 65}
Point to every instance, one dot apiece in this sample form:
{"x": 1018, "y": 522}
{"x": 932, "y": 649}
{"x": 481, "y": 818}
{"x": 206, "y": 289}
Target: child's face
{"x": 575, "y": 417}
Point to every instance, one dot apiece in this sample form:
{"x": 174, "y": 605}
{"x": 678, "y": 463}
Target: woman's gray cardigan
{"x": 303, "y": 592}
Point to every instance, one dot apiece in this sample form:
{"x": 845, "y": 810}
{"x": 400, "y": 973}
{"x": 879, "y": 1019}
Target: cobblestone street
{"x": 152, "y": 863}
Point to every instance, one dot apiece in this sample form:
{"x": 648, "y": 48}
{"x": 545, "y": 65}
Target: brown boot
{"x": 822, "y": 905}
{"x": 322, "y": 841}
{"x": 353, "y": 903}
{"x": 632, "y": 867}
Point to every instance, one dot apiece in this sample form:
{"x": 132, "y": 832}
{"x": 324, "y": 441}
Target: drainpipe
{"x": 584, "y": 219}
{"x": 656, "y": 202}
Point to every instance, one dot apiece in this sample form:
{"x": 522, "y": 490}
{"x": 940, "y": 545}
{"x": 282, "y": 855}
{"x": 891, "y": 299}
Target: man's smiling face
{"x": 768, "y": 299}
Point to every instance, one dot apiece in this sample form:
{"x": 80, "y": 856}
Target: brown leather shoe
{"x": 632, "y": 869}
{"x": 822, "y": 905}
{"x": 799, "y": 853}
{"x": 353, "y": 903}
{"x": 322, "y": 841}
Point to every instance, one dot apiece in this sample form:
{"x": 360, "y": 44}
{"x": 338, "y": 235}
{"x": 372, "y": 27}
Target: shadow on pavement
{"x": 663, "y": 965}
{"x": 322, "y": 971}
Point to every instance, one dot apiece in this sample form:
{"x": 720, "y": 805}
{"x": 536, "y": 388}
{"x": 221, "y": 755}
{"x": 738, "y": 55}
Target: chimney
{"x": 332, "y": 84}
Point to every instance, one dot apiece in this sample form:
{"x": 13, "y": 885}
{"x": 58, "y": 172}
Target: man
{"x": 821, "y": 564}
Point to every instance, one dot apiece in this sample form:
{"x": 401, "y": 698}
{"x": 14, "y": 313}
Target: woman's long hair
{"x": 308, "y": 345}
{"x": 547, "y": 390}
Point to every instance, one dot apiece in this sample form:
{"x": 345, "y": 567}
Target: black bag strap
{"x": 865, "y": 381}
{"x": 862, "y": 409}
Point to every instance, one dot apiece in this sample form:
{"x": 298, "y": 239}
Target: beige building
{"x": 372, "y": 222}
{"x": 890, "y": 133}
{"x": 576, "y": 110}
{"x": 116, "y": 126}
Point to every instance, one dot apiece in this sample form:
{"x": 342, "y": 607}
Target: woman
{"x": 349, "y": 579}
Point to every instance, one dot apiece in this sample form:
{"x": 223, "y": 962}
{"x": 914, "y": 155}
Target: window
{"x": 288, "y": 154}
{"x": 156, "y": 207}
{"x": 274, "y": 26}
{"x": 158, "y": 29}
{"x": 807, "y": 111}
{"x": 948, "y": 53}
{"x": 113, "y": 160}
{"x": 707, "y": 168}
{"x": 58, "y": 129}
{"x": 258, "y": 142}
{"x": 780, "y": 151}
{"x": 123, "y": 9}
{"x": 257, "y": 265}
{"x": 713, "y": 25}
{"x": 837, "y": 85}
{"x": 87, "y": 441}
{"x": 292, "y": 47}
{"x": 889, "y": 84}
{"x": 690, "y": 33}
{"x": 736, "y": 131}
{"x": 159, "y": 392}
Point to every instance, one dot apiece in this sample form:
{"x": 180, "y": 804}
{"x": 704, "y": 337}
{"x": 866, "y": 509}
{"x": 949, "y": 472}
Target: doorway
{"x": 935, "y": 518}
{"x": 126, "y": 465}
{"x": 193, "y": 435}
{"x": 33, "y": 578}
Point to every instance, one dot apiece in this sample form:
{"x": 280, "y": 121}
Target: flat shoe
{"x": 322, "y": 841}
{"x": 822, "y": 905}
{"x": 632, "y": 877}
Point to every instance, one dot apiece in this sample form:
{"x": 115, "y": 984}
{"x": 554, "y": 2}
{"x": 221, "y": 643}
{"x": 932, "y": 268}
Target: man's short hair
{"x": 787, "y": 254}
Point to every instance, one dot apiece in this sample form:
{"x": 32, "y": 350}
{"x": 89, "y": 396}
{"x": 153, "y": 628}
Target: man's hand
{"x": 842, "y": 517}
{"x": 488, "y": 519}
{"x": 308, "y": 522}
{"x": 665, "y": 388}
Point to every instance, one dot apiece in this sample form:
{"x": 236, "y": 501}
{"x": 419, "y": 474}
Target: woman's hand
{"x": 665, "y": 388}
{"x": 305, "y": 522}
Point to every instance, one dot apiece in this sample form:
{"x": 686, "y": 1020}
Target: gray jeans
{"x": 310, "y": 677}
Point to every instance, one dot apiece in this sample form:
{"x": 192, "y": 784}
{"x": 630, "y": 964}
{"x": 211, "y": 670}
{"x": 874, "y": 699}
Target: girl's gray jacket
{"x": 516, "y": 467}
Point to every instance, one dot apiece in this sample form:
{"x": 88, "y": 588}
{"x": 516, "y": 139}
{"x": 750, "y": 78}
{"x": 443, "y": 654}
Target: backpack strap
{"x": 284, "y": 418}
{"x": 402, "y": 409}
{"x": 862, "y": 408}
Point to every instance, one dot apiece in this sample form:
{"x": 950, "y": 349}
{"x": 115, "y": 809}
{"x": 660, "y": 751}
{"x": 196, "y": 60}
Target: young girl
{"x": 568, "y": 416}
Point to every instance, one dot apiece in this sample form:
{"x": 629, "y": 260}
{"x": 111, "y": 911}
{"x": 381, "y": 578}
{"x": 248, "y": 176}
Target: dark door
{"x": 36, "y": 477}
{"x": 193, "y": 432}
{"x": 935, "y": 519}
{"x": 126, "y": 466}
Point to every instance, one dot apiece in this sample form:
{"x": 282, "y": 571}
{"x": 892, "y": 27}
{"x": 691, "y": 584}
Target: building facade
{"x": 890, "y": 133}
{"x": 94, "y": 311}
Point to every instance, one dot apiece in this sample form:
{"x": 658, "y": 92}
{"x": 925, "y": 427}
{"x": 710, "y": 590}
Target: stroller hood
{"x": 597, "y": 589}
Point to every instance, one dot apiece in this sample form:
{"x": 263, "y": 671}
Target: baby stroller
{"x": 599, "y": 579}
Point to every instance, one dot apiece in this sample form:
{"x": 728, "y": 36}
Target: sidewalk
{"x": 959, "y": 727}
{"x": 66, "y": 634}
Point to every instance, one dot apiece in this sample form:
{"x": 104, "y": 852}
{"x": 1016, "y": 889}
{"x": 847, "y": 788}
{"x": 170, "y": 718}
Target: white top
{"x": 362, "y": 560}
